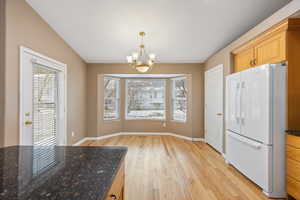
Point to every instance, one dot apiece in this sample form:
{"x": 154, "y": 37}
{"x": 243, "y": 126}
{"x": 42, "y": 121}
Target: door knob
{"x": 28, "y": 123}
{"x": 113, "y": 196}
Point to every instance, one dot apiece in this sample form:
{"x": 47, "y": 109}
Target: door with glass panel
{"x": 42, "y": 100}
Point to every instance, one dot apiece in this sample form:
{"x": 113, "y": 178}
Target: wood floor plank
{"x": 169, "y": 168}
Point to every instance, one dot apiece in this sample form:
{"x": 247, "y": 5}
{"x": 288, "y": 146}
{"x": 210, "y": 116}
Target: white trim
{"x": 199, "y": 140}
{"x": 55, "y": 65}
{"x": 139, "y": 133}
{"x": 216, "y": 68}
{"x": 30, "y": 51}
{"x": 223, "y": 155}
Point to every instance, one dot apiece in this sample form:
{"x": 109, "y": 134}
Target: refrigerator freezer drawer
{"x": 251, "y": 158}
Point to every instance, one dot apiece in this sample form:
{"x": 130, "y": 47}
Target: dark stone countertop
{"x": 58, "y": 173}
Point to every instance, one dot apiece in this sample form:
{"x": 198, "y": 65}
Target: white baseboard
{"x": 224, "y": 155}
{"x": 199, "y": 140}
{"x": 138, "y": 133}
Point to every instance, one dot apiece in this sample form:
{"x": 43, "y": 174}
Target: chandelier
{"x": 141, "y": 61}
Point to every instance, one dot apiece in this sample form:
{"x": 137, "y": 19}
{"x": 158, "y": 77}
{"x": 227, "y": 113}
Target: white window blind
{"x": 179, "y": 99}
{"x": 145, "y": 99}
{"x": 111, "y": 98}
{"x": 45, "y": 96}
{"x": 43, "y": 159}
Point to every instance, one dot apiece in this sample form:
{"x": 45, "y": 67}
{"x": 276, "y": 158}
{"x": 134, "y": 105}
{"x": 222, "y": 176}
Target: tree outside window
{"x": 179, "y": 99}
{"x": 111, "y": 98}
{"x": 145, "y": 99}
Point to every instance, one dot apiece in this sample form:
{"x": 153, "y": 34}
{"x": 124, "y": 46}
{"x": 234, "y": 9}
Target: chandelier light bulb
{"x": 129, "y": 59}
{"x": 150, "y": 62}
{"x": 152, "y": 56}
{"x": 135, "y": 55}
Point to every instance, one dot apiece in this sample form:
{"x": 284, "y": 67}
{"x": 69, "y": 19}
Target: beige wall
{"x": 25, "y": 27}
{"x": 2, "y": 64}
{"x": 96, "y": 126}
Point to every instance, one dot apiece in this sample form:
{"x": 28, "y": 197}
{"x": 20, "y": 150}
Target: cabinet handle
{"x": 250, "y": 62}
{"x": 113, "y": 197}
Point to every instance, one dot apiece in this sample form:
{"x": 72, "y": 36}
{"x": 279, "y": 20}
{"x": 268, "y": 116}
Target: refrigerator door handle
{"x": 246, "y": 141}
{"x": 237, "y": 115}
{"x": 242, "y": 117}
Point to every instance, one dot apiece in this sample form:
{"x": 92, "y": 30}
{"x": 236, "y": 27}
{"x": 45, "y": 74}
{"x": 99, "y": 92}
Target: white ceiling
{"x": 177, "y": 30}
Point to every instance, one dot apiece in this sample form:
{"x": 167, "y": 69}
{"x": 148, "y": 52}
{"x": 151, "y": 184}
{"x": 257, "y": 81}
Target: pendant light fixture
{"x": 141, "y": 61}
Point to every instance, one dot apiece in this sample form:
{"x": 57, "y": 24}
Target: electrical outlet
{"x": 73, "y": 133}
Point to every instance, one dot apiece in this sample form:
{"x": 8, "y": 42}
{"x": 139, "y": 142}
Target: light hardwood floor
{"x": 169, "y": 168}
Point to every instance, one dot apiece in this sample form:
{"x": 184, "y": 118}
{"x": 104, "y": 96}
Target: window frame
{"x": 173, "y": 98}
{"x": 126, "y": 99}
{"x": 118, "y": 99}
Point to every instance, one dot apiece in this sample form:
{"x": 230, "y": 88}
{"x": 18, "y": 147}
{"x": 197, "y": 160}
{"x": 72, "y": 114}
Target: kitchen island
{"x": 61, "y": 173}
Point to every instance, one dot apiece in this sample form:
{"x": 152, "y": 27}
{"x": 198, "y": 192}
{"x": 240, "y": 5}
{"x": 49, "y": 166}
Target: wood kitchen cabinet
{"x": 293, "y": 166}
{"x": 116, "y": 191}
{"x": 281, "y": 43}
{"x": 271, "y": 50}
{"x": 268, "y": 48}
{"x": 243, "y": 60}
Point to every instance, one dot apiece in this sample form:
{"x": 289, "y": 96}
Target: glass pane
{"x": 145, "y": 99}
{"x": 111, "y": 101}
{"x": 180, "y": 99}
{"x": 45, "y": 90}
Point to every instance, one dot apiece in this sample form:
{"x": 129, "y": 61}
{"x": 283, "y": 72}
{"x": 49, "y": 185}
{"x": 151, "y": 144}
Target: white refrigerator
{"x": 255, "y": 126}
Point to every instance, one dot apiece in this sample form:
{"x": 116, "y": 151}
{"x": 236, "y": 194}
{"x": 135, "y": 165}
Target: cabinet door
{"x": 116, "y": 191}
{"x": 271, "y": 50}
{"x": 243, "y": 59}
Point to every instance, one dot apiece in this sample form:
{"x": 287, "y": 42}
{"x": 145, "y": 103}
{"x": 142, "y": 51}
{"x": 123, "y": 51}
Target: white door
{"x": 255, "y": 103}
{"x": 214, "y": 107}
{"x": 233, "y": 88}
{"x": 42, "y": 100}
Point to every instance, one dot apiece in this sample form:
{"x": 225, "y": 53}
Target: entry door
{"x": 214, "y": 107}
{"x": 42, "y": 100}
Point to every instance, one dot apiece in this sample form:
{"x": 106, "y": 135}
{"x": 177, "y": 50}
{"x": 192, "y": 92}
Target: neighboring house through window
{"x": 145, "y": 99}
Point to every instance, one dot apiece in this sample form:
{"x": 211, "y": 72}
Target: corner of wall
{"x": 2, "y": 68}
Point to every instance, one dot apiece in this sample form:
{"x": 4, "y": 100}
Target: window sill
{"x": 111, "y": 120}
{"x": 178, "y": 121}
{"x": 133, "y": 119}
